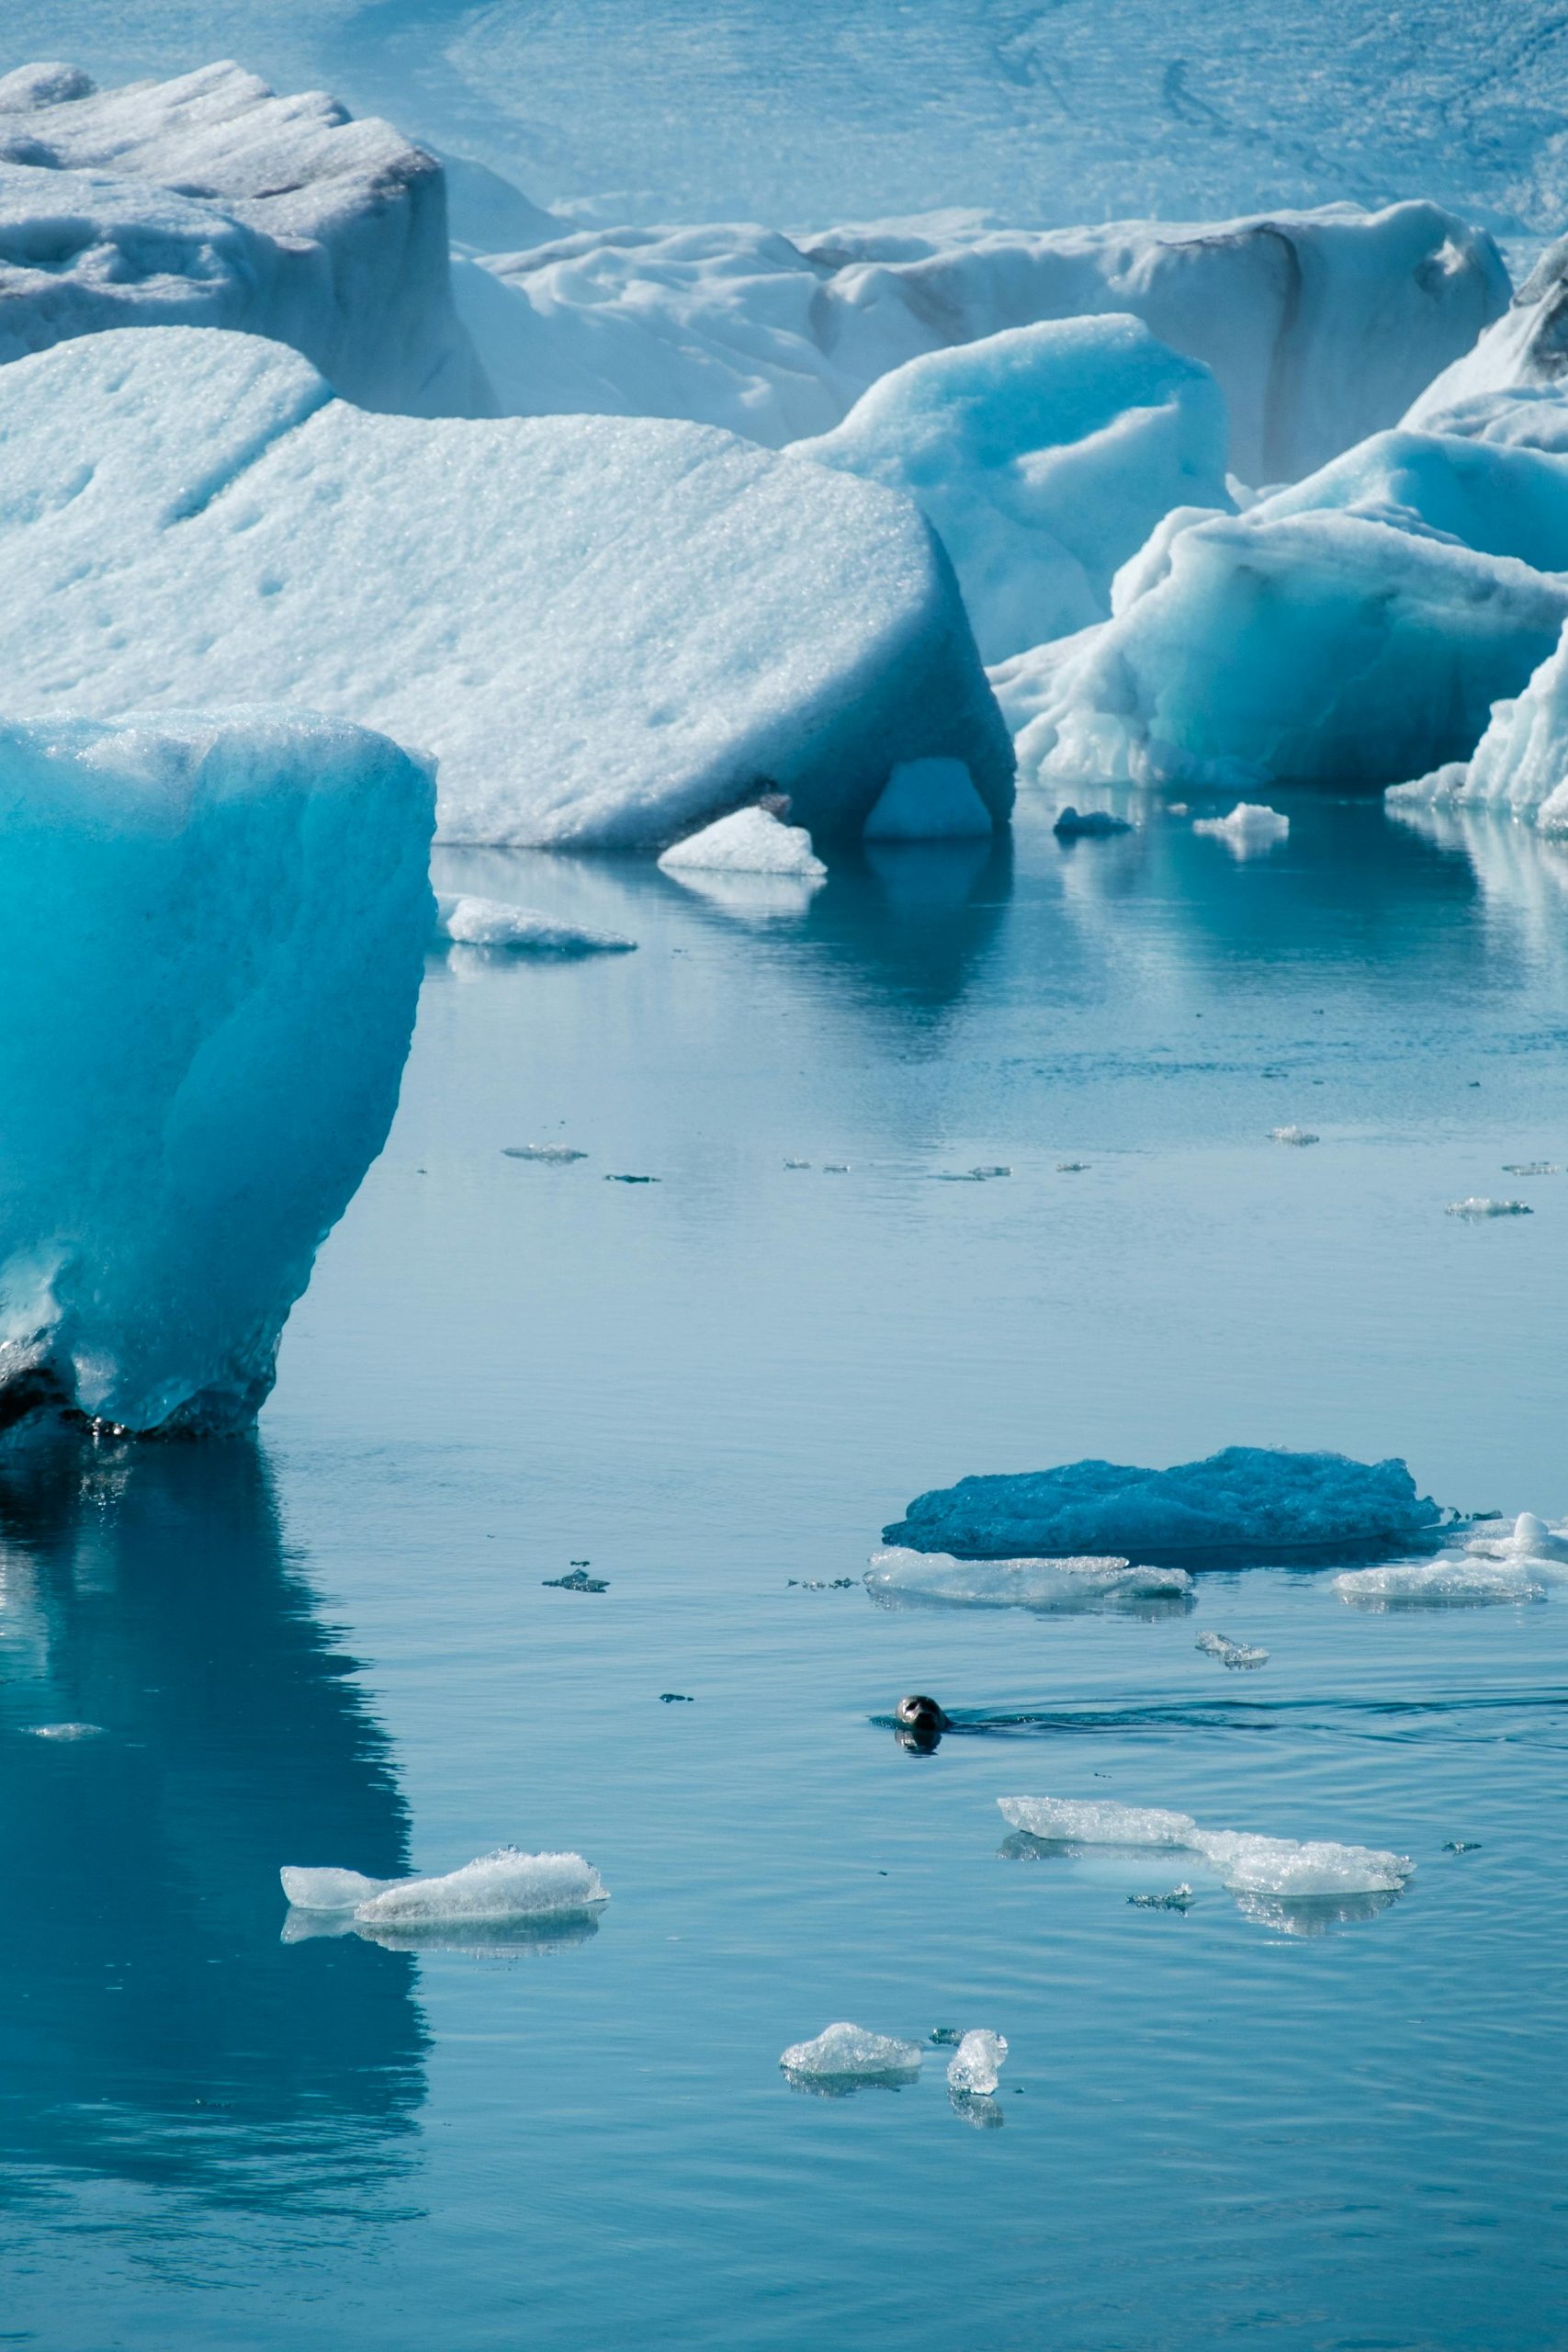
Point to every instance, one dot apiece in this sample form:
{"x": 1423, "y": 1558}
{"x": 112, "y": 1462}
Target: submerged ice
{"x": 1287, "y": 1869}
{"x": 903, "y": 1575}
{"x": 212, "y": 934}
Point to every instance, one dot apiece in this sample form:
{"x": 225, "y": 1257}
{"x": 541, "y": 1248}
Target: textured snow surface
{"x": 847, "y": 2049}
{"x": 1356, "y": 627}
{"x": 207, "y": 201}
{"x": 1520, "y": 764}
{"x": 490, "y": 923}
{"x": 211, "y": 935}
{"x": 751, "y": 840}
{"x": 607, "y": 631}
{"x": 1058, "y": 1584}
{"x": 1285, "y": 1867}
{"x": 1319, "y": 327}
{"x": 1248, "y": 1497}
{"x": 505, "y": 1884}
{"x": 977, "y": 2062}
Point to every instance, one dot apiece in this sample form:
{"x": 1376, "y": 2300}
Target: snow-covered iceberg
{"x": 504, "y": 1884}
{"x": 1043, "y": 457}
{"x": 608, "y": 632}
{"x": 207, "y": 201}
{"x": 211, "y": 935}
{"x": 1321, "y": 327}
{"x": 1289, "y": 1869}
{"x": 1058, "y": 1585}
{"x": 846, "y": 2052}
{"x": 1522, "y": 356}
{"x": 751, "y": 841}
{"x": 1248, "y": 1500}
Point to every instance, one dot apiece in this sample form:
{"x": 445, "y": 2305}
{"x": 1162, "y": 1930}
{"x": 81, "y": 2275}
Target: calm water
{"x": 336, "y": 1647}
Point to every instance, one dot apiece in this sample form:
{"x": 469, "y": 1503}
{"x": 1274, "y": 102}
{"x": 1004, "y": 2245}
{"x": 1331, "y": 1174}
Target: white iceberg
{"x": 211, "y": 935}
{"x": 1043, "y": 457}
{"x": 207, "y": 201}
{"x": 1320, "y": 326}
{"x": 523, "y": 931}
{"x": 842, "y": 2052}
{"x": 751, "y": 840}
{"x": 1247, "y": 828}
{"x": 1518, "y": 365}
{"x": 975, "y": 2063}
{"x": 1045, "y": 1584}
{"x": 1285, "y": 1867}
{"x": 1249, "y": 1498}
{"x": 1520, "y": 766}
{"x": 505, "y": 1884}
{"x": 607, "y": 632}
{"x": 1514, "y": 1561}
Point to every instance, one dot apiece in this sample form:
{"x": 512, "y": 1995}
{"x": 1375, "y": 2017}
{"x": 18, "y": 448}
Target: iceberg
{"x": 1285, "y": 1867}
{"x": 505, "y": 1884}
{"x": 207, "y": 201}
{"x": 1093, "y": 824}
{"x": 1520, "y": 766}
{"x": 976, "y": 2065}
{"x": 1247, "y": 828}
{"x": 752, "y": 841}
{"x": 520, "y": 931}
{"x": 608, "y": 633}
{"x": 1320, "y": 327}
{"x": 1043, "y": 457}
{"x": 1247, "y": 1499}
{"x": 1522, "y": 1563}
{"x": 842, "y": 2052}
{"x": 1298, "y": 1138}
{"x": 901, "y": 1575}
{"x": 1513, "y": 376}
{"x": 213, "y": 930}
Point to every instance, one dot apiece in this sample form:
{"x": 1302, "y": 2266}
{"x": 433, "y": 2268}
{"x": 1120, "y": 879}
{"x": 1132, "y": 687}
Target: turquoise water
{"x": 337, "y": 1645}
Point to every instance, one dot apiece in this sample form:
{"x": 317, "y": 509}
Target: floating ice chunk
{"x": 751, "y": 840}
{"x": 1477, "y": 1207}
{"x": 1176, "y": 1898}
{"x": 1094, "y": 824}
{"x": 66, "y": 1731}
{"x": 1249, "y": 1497}
{"x": 1532, "y": 1168}
{"x": 797, "y": 1164}
{"x": 1286, "y": 1868}
{"x": 1462, "y": 1845}
{"x": 1246, "y": 1656}
{"x": 505, "y": 1884}
{"x": 576, "y": 1581}
{"x": 329, "y": 1890}
{"x": 977, "y": 2062}
{"x": 1301, "y": 1137}
{"x": 929, "y": 801}
{"x": 841, "y": 2052}
{"x": 1072, "y": 1167}
{"x": 212, "y": 934}
{"x": 1537, "y": 1540}
{"x": 488, "y": 922}
{"x": 1047, "y": 1584}
{"x": 605, "y": 631}
{"x": 555, "y": 1155}
{"x": 1453, "y": 1580}
{"x": 1249, "y": 827}
{"x": 967, "y": 1175}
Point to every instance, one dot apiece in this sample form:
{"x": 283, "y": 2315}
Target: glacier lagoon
{"x": 344, "y": 1642}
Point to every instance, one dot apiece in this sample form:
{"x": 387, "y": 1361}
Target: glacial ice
{"x": 213, "y": 930}
{"x": 1244, "y": 1655}
{"x": 1093, "y": 824}
{"x": 606, "y": 632}
{"x": 523, "y": 931}
{"x": 505, "y": 1884}
{"x": 1321, "y": 327}
{"x": 1285, "y": 1867}
{"x": 1043, "y": 457}
{"x": 1247, "y": 828}
{"x": 1520, "y": 766}
{"x": 1248, "y": 1498}
{"x": 840, "y": 2052}
{"x": 1044, "y": 1584}
{"x": 976, "y": 2065}
{"x": 1517, "y": 1563}
{"x": 929, "y": 801}
{"x": 1521, "y": 361}
{"x": 207, "y": 201}
{"x": 751, "y": 840}
{"x": 1477, "y": 1208}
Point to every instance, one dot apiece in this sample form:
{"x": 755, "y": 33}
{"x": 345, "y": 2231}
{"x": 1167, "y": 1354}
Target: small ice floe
{"x": 632, "y": 1179}
{"x": 553, "y": 1154}
{"x": 1244, "y": 1655}
{"x": 1176, "y": 1898}
{"x": 577, "y": 1580}
{"x": 842, "y": 2055}
{"x": 1092, "y": 825}
{"x": 1249, "y": 1499}
{"x": 504, "y": 1885}
{"x": 1072, "y": 1167}
{"x": 1273, "y": 1878}
{"x": 1532, "y": 1168}
{"x": 1518, "y": 1563}
{"x": 977, "y": 2062}
{"x": 676, "y": 1699}
{"x": 835, "y": 1168}
{"x": 1301, "y": 1137}
{"x": 946, "y": 2037}
{"x": 967, "y": 1175}
{"x": 1477, "y": 1208}
{"x": 1247, "y": 828}
{"x": 900, "y": 1575}
{"x": 66, "y": 1731}
{"x": 519, "y": 930}
{"x": 751, "y": 840}
{"x": 820, "y": 1584}
{"x": 1462, "y": 1845}
{"x": 797, "y": 1164}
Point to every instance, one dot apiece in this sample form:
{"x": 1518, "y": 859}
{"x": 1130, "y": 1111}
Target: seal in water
{"x": 920, "y": 1721}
